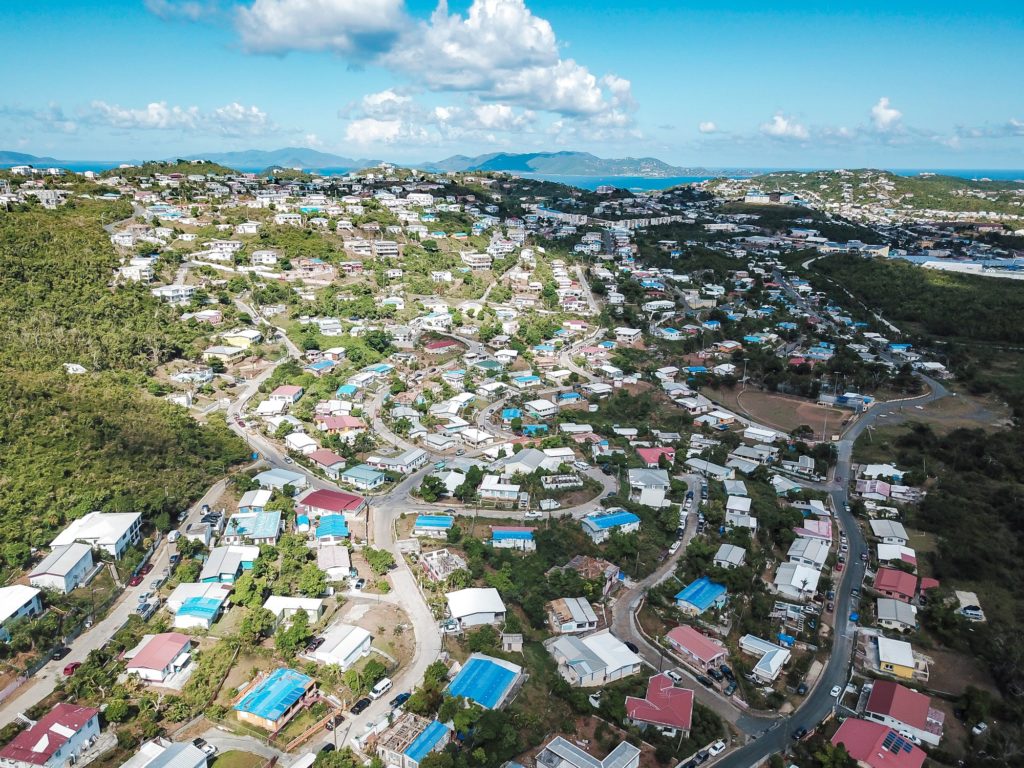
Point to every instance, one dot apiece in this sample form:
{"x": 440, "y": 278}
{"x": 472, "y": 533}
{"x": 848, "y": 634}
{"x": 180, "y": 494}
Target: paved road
{"x": 43, "y": 682}
{"x": 819, "y": 702}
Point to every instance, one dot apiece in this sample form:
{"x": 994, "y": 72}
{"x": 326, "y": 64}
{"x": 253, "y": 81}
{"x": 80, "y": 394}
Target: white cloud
{"x": 188, "y": 10}
{"x": 50, "y": 118}
{"x": 782, "y": 127}
{"x": 501, "y": 51}
{"x": 371, "y": 130}
{"x": 884, "y": 117}
{"x": 230, "y": 120}
{"x": 312, "y": 140}
{"x": 498, "y": 51}
{"x": 707, "y": 126}
{"x": 347, "y": 27}
{"x": 501, "y": 117}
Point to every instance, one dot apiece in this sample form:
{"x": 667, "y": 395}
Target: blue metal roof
{"x": 613, "y": 519}
{"x": 332, "y": 525}
{"x": 508, "y": 535}
{"x": 257, "y": 525}
{"x": 483, "y": 681}
{"x": 434, "y": 521}
{"x": 200, "y": 607}
{"x": 702, "y": 593}
{"x": 427, "y": 741}
{"x": 347, "y": 389}
{"x": 275, "y": 695}
{"x": 511, "y": 413}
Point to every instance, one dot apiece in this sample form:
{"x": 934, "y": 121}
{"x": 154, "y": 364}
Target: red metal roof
{"x": 36, "y": 745}
{"x": 332, "y": 501}
{"x": 160, "y": 651}
{"x": 689, "y": 639}
{"x": 896, "y": 582}
{"x": 899, "y": 702}
{"x": 664, "y": 704}
{"x": 326, "y": 457}
{"x": 864, "y": 741}
{"x": 653, "y": 455}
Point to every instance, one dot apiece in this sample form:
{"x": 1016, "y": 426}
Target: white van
{"x": 381, "y": 688}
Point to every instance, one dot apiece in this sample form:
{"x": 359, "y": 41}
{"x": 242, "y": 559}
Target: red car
{"x": 145, "y": 570}
{"x": 69, "y": 670}
{"x": 134, "y": 581}
{"x": 839, "y": 567}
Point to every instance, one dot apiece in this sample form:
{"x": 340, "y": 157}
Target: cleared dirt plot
{"x": 782, "y": 412}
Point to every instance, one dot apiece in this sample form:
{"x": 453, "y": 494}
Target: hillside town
{"x": 533, "y": 473}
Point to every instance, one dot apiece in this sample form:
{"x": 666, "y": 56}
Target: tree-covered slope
{"x": 70, "y": 444}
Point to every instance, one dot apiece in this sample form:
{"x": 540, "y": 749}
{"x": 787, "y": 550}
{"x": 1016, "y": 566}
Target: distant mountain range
{"x": 20, "y": 158}
{"x": 551, "y": 163}
{"x": 288, "y": 157}
{"x": 563, "y": 164}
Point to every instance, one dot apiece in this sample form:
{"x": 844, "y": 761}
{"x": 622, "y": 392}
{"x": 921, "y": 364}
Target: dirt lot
{"x": 953, "y": 672}
{"x": 782, "y": 412}
{"x": 390, "y": 627}
{"x": 958, "y": 411}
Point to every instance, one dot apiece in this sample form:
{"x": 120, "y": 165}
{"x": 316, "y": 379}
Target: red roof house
{"x": 900, "y": 707}
{"x": 60, "y": 734}
{"x": 895, "y": 583}
{"x": 652, "y": 456}
{"x": 877, "y": 746}
{"x": 664, "y": 705}
{"x": 326, "y": 502}
{"x": 699, "y": 650}
{"x": 157, "y": 659}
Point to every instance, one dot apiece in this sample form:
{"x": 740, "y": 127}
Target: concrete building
{"x": 158, "y": 657}
{"x": 112, "y": 532}
{"x": 592, "y": 660}
{"x": 56, "y": 740}
{"x": 64, "y": 568}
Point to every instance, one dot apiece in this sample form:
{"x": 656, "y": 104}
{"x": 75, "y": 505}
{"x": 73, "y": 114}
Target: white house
{"x": 648, "y": 486}
{"x": 158, "y": 657}
{"x": 64, "y": 568}
{"x": 595, "y": 659}
{"x": 18, "y": 601}
{"x": 343, "y": 645}
{"x": 730, "y": 556}
{"x": 476, "y": 606}
{"x": 796, "y": 581}
{"x": 285, "y": 606}
{"x": 55, "y": 740}
{"x": 162, "y": 753}
{"x": 112, "y": 532}
{"x": 890, "y": 532}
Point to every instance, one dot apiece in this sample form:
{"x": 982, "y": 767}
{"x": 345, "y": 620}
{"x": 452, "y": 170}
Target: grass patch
{"x": 238, "y": 759}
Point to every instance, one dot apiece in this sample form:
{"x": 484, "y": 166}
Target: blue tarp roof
{"x": 425, "y": 743}
{"x": 511, "y": 413}
{"x": 483, "y": 681}
{"x": 332, "y": 525}
{"x": 275, "y": 695}
{"x": 529, "y": 429}
{"x": 434, "y": 521}
{"x": 613, "y": 519}
{"x": 702, "y": 593}
{"x": 347, "y": 389}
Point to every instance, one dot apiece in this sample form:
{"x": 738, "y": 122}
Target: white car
{"x": 836, "y": 691}
{"x": 717, "y": 748}
{"x": 675, "y": 677}
{"x": 532, "y": 515}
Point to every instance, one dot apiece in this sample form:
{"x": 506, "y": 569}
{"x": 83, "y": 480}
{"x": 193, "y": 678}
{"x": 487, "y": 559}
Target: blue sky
{"x": 763, "y": 84}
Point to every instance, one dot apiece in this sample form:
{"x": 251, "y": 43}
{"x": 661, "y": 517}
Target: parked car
{"x": 315, "y": 643}
{"x": 327, "y": 747}
{"x": 360, "y": 705}
{"x": 730, "y": 689}
{"x": 705, "y": 681}
{"x": 717, "y": 748}
{"x": 208, "y": 749}
{"x": 839, "y": 567}
{"x": 830, "y": 607}
{"x": 716, "y": 675}
{"x": 146, "y": 569}
{"x": 801, "y": 690}
{"x": 979, "y": 729}
{"x": 174, "y": 559}
{"x": 864, "y": 556}
{"x": 69, "y": 669}
{"x": 632, "y": 647}
{"x": 532, "y": 514}
{"x": 725, "y": 670}
{"x": 674, "y": 676}
{"x": 399, "y": 700}
{"x": 799, "y": 733}
{"x": 134, "y": 581}
{"x": 60, "y": 652}
{"x": 360, "y": 583}
{"x": 836, "y": 690}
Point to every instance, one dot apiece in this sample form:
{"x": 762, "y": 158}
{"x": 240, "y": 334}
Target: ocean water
{"x": 636, "y": 183}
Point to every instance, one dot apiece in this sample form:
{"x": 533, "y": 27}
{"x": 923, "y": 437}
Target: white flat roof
{"x": 103, "y": 528}
{"x": 466, "y": 602}
{"x": 13, "y": 598}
